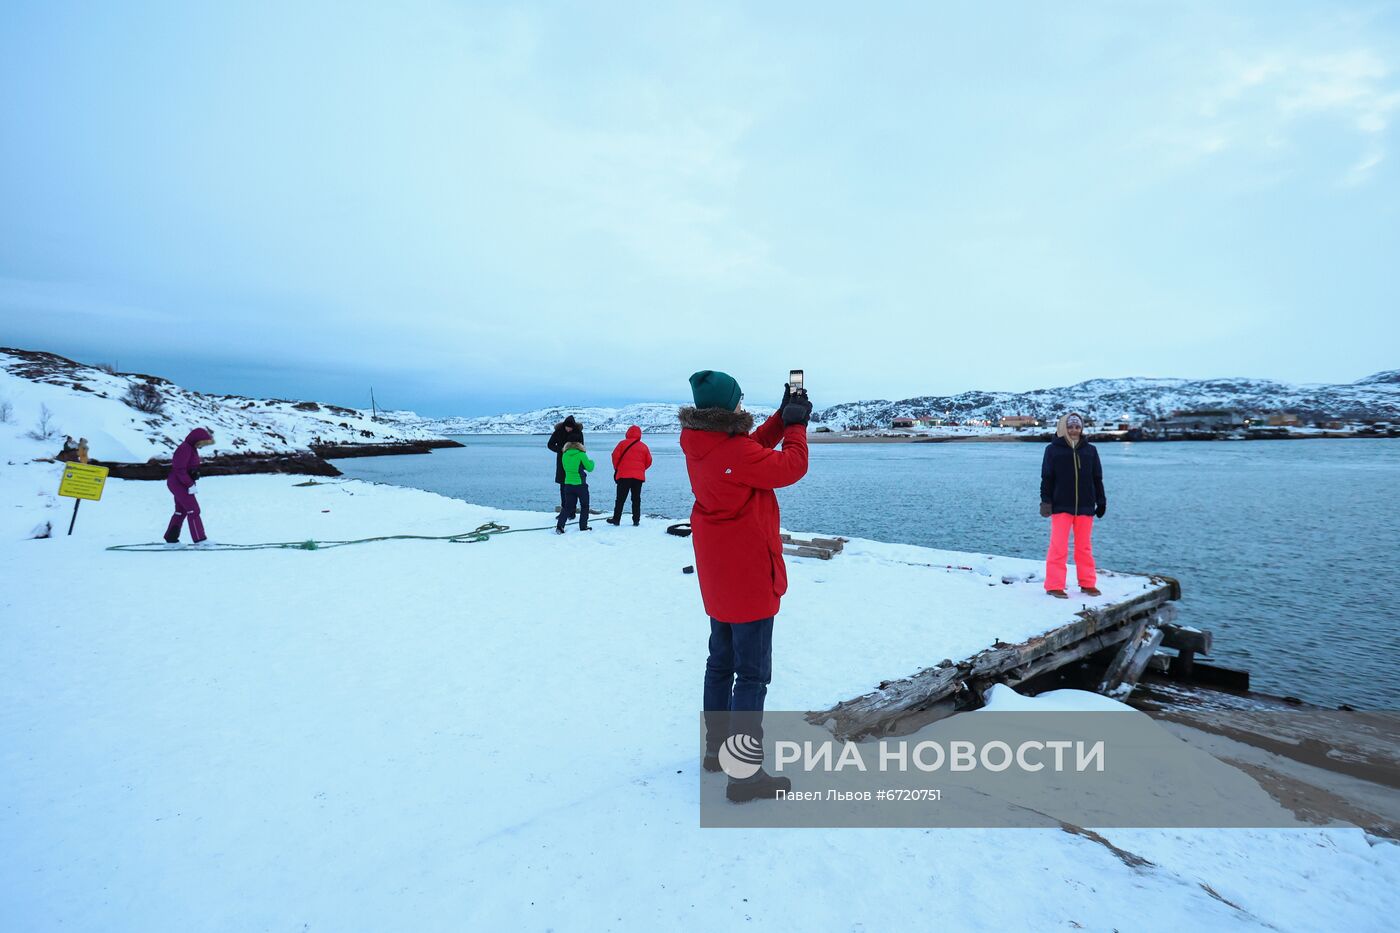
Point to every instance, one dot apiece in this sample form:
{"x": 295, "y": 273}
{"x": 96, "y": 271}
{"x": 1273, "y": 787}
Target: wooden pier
{"x": 1113, "y": 644}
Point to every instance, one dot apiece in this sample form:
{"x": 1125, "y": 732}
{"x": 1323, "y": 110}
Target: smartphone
{"x": 795, "y": 379}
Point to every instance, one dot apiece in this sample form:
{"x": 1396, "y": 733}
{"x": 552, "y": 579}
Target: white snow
{"x": 421, "y": 735}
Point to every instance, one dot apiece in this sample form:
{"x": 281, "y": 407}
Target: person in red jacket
{"x": 738, "y": 555}
{"x": 631, "y": 460}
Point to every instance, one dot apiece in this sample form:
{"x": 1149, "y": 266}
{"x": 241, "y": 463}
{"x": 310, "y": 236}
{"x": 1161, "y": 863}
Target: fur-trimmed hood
{"x": 716, "y": 419}
{"x": 1062, "y": 429}
{"x": 575, "y": 445}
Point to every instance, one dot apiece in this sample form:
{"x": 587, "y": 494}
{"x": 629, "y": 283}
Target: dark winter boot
{"x": 1091, "y": 591}
{"x": 762, "y": 786}
{"x": 613, "y": 521}
{"x": 711, "y": 762}
{"x": 1058, "y": 594}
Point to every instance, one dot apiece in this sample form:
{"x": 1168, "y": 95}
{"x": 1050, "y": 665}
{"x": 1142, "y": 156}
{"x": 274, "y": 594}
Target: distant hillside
{"x": 650, "y": 416}
{"x": 90, "y": 402}
{"x": 1375, "y": 397}
{"x": 85, "y": 401}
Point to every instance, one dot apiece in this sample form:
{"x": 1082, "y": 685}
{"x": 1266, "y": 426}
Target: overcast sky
{"x": 479, "y": 208}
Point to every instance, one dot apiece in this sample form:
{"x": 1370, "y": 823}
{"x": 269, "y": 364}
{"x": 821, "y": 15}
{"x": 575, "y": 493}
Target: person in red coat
{"x": 631, "y": 459}
{"x": 734, "y": 469}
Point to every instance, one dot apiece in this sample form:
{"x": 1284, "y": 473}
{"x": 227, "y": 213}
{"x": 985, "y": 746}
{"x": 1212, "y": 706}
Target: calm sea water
{"x": 1286, "y": 550}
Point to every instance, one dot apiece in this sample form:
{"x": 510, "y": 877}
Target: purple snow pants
{"x": 186, "y": 506}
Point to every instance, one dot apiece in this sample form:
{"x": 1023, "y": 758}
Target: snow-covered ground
{"x": 423, "y": 735}
{"x": 84, "y": 401}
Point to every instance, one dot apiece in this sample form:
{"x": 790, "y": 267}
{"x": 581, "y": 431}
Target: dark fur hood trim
{"x": 716, "y": 419}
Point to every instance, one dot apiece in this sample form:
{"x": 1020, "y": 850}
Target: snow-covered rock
{"x": 44, "y": 397}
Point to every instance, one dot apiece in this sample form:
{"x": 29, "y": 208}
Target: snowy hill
{"x": 107, "y": 409}
{"x": 653, "y": 417}
{"x": 1376, "y": 396}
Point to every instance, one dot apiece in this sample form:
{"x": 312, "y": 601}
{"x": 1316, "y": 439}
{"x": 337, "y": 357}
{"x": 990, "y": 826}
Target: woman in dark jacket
{"x": 565, "y": 432}
{"x": 1071, "y": 496}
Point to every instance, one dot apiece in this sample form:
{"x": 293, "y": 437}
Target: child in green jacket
{"x": 576, "y": 467}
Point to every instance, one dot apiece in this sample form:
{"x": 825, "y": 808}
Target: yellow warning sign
{"x": 83, "y": 481}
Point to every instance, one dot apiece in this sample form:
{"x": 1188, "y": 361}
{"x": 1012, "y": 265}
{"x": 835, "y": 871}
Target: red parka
{"x": 738, "y": 554}
{"x": 632, "y": 457}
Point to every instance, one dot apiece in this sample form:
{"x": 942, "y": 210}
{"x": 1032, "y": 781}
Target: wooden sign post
{"x": 82, "y": 481}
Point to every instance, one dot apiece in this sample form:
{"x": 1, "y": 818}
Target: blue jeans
{"x": 736, "y": 679}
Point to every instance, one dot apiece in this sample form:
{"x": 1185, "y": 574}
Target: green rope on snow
{"x": 475, "y": 536}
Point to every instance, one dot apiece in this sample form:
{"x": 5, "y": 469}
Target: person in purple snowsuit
{"x": 184, "y": 471}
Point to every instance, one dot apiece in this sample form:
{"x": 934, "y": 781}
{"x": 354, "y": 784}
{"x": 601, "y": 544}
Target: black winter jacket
{"x": 1071, "y": 478}
{"x": 561, "y": 436}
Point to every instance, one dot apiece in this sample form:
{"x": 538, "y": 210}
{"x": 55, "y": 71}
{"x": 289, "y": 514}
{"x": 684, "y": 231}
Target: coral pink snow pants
{"x": 1060, "y": 525}
{"x": 186, "y": 506}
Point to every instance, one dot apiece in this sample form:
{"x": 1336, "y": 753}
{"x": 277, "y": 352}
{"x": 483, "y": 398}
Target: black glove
{"x": 797, "y": 410}
{"x": 1103, "y": 507}
{"x": 1045, "y": 510}
{"x": 787, "y": 396}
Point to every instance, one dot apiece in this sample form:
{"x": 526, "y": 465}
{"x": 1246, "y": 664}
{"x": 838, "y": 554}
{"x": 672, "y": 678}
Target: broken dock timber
{"x": 820, "y": 548}
{"x": 904, "y": 705}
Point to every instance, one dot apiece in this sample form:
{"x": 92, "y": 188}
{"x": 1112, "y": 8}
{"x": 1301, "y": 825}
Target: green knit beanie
{"x": 715, "y": 390}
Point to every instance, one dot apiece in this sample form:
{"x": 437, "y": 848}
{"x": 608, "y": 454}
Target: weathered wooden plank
{"x": 1081, "y": 650}
{"x": 1118, "y": 667}
{"x": 1145, "y": 649}
{"x": 1088, "y": 622}
{"x": 820, "y": 553}
{"x": 875, "y": 712}
{"x": 834, "y": 545}
{"x": 1067, "y": 656}
{"x": 1185, "y": 638}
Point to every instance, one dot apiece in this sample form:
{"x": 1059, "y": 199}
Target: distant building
{"x": 929, "y": 421}
{"x": 1282, "y": 419}
{"x": 1206, "y": 420}
{"x": 1019, "y": 421}
{"x": 903, "y": 422}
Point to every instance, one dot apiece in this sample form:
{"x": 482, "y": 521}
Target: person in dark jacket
{"x": 733, "y": 471}
{"x": 565, "y": 432}
{"x": 184, "y": 474}
{"x": 631, "y": 459}
{"x": 1071, "y": 496}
